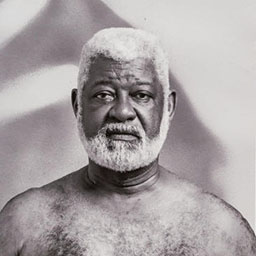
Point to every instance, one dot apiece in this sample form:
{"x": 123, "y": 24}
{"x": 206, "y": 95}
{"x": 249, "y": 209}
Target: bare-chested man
{"x": 123, "y": 203}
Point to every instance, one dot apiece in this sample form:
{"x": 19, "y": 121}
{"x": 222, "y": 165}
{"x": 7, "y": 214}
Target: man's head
{"x": 123, "y": 104}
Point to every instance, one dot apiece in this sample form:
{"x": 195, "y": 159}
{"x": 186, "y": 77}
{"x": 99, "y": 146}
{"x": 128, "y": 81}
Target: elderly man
{"x": 123, "y": 202}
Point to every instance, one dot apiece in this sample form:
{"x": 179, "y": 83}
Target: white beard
{"x": 123, "y": 156}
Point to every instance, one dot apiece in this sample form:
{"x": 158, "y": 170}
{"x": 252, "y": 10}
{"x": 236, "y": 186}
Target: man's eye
{"x": 141, "y": 96}
{"x": 105, "y": 96}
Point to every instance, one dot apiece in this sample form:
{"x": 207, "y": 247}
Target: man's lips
{"x": 122, "y": 135}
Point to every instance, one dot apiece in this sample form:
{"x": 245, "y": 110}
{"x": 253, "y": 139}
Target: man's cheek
{"x": 91, "y": 126}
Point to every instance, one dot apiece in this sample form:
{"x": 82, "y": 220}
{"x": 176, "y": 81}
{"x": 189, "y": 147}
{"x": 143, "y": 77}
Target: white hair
{"x": 125, "y": 44}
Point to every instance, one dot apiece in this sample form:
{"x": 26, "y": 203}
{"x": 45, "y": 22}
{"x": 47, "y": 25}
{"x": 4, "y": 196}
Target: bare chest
{"x": 99, "y": 233}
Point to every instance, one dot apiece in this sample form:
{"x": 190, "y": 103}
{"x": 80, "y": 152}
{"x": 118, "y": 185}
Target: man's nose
{"x": 122, "y": 111}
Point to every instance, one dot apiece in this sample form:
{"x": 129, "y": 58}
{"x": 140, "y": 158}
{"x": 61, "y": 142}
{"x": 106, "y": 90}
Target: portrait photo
{"x": 210, "y": 48}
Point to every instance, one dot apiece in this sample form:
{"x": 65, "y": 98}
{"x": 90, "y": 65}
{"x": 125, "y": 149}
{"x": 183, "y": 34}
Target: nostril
{"x": 122, "y": 112}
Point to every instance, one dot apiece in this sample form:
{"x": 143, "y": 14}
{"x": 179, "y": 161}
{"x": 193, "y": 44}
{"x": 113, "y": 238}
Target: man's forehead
{"x": 141, "y": 70}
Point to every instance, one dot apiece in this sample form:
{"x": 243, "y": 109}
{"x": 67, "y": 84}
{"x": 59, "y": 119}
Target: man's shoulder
{"x": 38, "y": 200}
{"x": 202, "y": 212}
{"x": 29, "y": 213}
{"x": 22, "y": 204}
{"x": 191, "y": 198}
{"x": 15, "y": 221}
{"x": 227, "y": 225}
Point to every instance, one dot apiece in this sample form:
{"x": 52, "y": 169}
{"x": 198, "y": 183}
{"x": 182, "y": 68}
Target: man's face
{"x": 122, "y": 106}
{"x": 119, "y": 92}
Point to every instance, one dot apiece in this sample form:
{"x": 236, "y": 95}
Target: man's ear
{"x": 172, "y": 101}
{"x": 74, "y": 101}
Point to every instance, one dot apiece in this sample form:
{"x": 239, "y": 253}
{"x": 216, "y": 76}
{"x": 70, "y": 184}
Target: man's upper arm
{"x": 246, "y": 240}
{"x": 11, "y": 227}
{"x": 235, "y": 232}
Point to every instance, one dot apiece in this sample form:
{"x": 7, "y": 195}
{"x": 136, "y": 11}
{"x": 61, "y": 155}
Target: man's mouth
{"x": 122, "y": 135}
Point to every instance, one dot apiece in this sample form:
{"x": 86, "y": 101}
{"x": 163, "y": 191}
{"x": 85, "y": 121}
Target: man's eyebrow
{"x": 110, "y": 82}
{"x": 102, "y": 82}
{"x": 143, "y": 83}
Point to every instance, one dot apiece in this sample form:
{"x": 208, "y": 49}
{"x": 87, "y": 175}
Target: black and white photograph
{"x": 127, "y": 128}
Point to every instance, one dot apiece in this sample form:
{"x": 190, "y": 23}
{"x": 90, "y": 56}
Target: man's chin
{"x": 118, "y": 156}
{"x": 121, "y": 155}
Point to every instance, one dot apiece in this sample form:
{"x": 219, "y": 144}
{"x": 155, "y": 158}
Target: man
{"x": 123, "y": 202}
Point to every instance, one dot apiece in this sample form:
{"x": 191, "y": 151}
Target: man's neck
{"x": 123, "y": 182}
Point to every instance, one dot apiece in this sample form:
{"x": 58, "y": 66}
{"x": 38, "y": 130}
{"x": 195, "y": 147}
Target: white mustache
{"x": 122, "y": 128}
